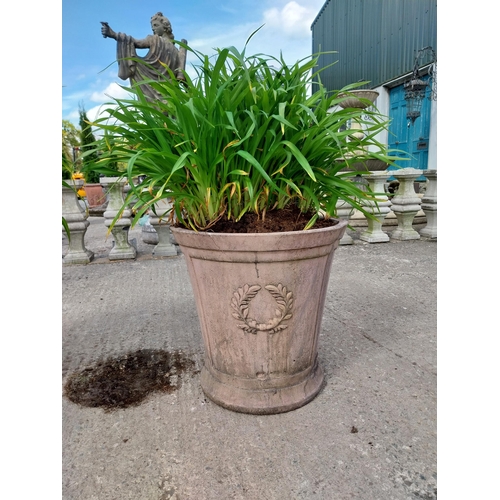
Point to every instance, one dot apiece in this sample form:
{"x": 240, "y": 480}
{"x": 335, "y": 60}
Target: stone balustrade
{"x": 395, "y": 217}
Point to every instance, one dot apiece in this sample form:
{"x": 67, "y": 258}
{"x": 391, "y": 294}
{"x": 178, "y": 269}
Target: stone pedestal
{"x": 344, "y": 212}
{"x": 406, "y": 204}
{"x": 429, "y": 205}
{"x": 76, "y": 218}
{"x": 122, "y": 249}
{"x": 379, "y": 209}
{"x": 164, "y": 248}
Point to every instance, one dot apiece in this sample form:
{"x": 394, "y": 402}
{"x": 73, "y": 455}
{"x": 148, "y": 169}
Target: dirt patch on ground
{"x": 116, "y": 383}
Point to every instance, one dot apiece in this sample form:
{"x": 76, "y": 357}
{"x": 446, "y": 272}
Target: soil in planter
{"x": 275, "y": 221}
{"x": 117, "y": 383}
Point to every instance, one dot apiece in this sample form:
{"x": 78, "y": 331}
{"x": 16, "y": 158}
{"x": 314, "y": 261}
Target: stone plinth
{"x": 122, "y": 248}
{"x": 429, "y": 205}
{"x": 379, "y": 208}
{"x": 164, "y": 248}
{"x": 344, "y": 212}
{"x": 76, "y": 218}
{"x": 406, "y": 204}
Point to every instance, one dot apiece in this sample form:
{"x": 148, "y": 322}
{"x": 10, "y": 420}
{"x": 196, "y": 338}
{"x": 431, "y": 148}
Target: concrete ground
{"x": 370, "y": 434}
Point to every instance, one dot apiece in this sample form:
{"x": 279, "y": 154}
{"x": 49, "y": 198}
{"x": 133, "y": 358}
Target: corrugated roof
{"x": 375, "y": 40}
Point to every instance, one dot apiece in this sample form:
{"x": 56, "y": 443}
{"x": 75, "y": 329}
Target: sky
{"x": 89, "y": 68}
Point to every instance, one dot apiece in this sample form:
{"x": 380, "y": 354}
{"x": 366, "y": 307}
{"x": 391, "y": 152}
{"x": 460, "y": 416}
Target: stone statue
{"x": 162, "y": 52}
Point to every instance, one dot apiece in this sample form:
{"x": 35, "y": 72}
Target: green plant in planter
{"x": 249, "y": 134}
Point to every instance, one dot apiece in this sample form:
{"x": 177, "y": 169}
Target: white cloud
{"x": 98, "y": 112}
{"x": 72, "y": 102}
{"x": 112, "y": 91}
{"x": 293, "y": 20}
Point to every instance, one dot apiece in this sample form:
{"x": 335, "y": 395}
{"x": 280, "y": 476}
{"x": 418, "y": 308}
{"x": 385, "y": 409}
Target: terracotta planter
{"x": 95, "y": 195}
{"x": 260, "y": 300}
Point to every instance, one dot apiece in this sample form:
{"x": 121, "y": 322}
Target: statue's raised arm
{"x": 106, "y": 31}
{"x": 162, "y": 52}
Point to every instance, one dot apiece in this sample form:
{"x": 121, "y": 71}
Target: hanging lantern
{"x": 415, "y": 88}
{"x": 414, "y": 95}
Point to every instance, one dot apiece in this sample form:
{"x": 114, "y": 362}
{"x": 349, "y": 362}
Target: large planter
{"x": 260, "y": 300}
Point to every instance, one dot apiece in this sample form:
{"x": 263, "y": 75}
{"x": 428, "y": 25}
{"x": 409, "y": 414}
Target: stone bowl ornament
{"x": 372, "y": 165}
{"x": 361, "y": 99}
{"x": 357, "y": 98}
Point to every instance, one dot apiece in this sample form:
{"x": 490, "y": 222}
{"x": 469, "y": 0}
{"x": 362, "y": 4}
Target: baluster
{"x": 76, "y": 218}
{"x": 380, "y": 208}
{"x": 164, "y": 248}
{"x": 406, "y": 204}
{"x": 429, "y": 205}
{"x": 122, "y": 249}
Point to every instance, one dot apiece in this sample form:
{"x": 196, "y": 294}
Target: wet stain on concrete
{"x": 121, "y": 382}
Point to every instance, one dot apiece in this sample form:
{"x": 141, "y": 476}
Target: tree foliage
{"x": 70, "y": 140}
{"x": 87, "y": 144}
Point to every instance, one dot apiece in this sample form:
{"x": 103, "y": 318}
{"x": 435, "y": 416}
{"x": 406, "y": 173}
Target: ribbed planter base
{"x": 260, "y": 300}
{"x": 247, "y": 396}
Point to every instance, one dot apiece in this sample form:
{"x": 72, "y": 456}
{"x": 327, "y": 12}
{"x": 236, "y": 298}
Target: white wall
{"x": 382, "y": 104}
{"x": 432, "y": 159}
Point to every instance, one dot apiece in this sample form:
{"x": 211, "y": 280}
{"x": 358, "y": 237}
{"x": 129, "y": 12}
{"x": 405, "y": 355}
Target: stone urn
{"x": 366, "y": 165}
{"x": 260, "y": 300}
{"x": 76, "y": 219}
{"x": 361, "y": 99}
{"x": 372, "y": 165}
{"x": 353, "y": 98}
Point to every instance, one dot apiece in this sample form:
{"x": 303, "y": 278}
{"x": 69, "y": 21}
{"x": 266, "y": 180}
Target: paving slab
{"x": 369, "y": 434}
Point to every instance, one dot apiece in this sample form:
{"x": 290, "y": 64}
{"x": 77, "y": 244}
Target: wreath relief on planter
{"x": 242, "y": 298}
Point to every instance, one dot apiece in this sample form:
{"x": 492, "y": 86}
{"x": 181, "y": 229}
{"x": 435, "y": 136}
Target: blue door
{"x": 411, "y": 138}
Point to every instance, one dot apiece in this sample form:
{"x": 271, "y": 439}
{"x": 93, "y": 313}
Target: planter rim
{"x": 353, "y": 101}
{"x": 285, "y": 234}
{"x": 257, "y": 242}
{"x": 363, "y": 93}
{"x": 340, "y": 223}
